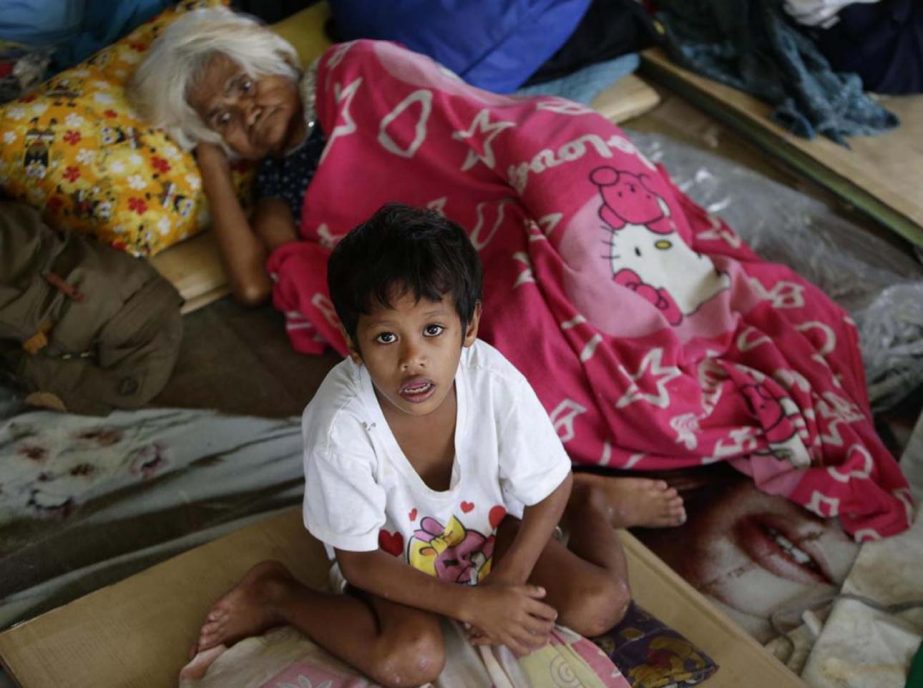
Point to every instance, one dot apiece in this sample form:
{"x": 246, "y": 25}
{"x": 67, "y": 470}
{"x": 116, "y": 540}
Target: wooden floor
{"x": 238, "y": 360}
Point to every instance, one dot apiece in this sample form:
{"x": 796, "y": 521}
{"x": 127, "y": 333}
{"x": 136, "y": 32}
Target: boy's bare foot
{"x": 636, "y": 501}
{"x": 249, "y": 608}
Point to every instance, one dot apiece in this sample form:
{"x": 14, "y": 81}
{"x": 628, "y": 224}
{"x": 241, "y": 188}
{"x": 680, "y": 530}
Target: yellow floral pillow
{"x": 75, "y": 149}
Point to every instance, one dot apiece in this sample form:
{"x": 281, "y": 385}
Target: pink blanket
{"x": 653, "y": 335}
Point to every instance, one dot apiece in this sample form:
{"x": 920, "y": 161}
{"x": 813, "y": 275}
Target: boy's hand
{"x": 511, "y": 615}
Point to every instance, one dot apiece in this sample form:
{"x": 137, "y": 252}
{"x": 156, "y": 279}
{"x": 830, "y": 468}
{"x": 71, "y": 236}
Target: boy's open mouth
{"x": 417, "y": 389}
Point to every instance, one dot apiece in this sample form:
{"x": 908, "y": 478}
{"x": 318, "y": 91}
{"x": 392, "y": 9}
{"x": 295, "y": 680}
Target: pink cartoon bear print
{"x": 647, "y": 254}
{"x": 451, "y": 552}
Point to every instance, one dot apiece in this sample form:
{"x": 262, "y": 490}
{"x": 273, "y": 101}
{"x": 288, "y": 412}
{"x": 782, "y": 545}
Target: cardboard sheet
{"x": 881, "y": 175}
{"x": 194, "y": 266}
{"x": 136, "y": 633}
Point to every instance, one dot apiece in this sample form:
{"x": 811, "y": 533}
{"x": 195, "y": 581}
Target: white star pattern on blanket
{"x": 481, "y": 124}
{"x": 348, "y": 125}
{"x": 651, "y": 363}
{"x": 526, "y": 274}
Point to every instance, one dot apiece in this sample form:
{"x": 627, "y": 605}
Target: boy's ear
{"x": 471, "y": 332}
{"x": 352, "y": 347}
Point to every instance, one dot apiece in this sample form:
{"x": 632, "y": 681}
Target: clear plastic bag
{"x": 879, "y": 285}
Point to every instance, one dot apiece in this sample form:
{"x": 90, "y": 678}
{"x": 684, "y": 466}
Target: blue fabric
{"x": 288, "y": 178}
{"x": 750, "y": 45}
{"x": 494, "y": 45}
{"x": 40, "y": 22}
{"x": 104, "y": 22}
{"x": 585, "y": 84}
{"x": 77, "y": 28}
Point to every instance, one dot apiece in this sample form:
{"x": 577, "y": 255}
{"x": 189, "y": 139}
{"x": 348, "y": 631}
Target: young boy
{"x": 433, "y": 476}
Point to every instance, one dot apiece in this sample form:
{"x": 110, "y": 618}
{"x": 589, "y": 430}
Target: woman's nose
{"x": 251, "y": 111}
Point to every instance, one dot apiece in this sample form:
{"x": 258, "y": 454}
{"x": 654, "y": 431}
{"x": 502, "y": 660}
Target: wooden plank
{"x": 194, "y": 268}
{"x": 136, "y": 633}
{"x": 881, "y": 175}
{"x": 628, "y": 97}
{"x": 743, "y": 661}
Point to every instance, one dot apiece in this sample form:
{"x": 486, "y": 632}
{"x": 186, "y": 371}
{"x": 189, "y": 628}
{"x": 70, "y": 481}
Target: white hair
{"x": 178, "y": 58}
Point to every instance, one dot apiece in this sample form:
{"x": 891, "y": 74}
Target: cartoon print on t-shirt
{"x": 451, "y": 552}
{"x": 646, "y": 253}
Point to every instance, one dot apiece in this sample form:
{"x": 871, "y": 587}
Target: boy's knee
{"x": 599, "y": 607}
{"x": 410, "y": 658}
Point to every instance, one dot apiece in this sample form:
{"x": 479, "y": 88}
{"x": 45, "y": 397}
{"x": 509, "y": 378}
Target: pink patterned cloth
{"x": 653, "y": 335}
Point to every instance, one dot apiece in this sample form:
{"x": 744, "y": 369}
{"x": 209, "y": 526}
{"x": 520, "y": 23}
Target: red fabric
{"x": 653, "y": 335}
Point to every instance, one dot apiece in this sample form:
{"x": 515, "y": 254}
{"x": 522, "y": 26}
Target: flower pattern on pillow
{"x": 75, "y": 149}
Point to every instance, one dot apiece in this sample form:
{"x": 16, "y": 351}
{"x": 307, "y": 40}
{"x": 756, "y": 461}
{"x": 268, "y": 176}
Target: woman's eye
{"x": 386, "y": 338}
{"x": 246, "y": 85}
{"x": 223, "y": 119}
{"x": 433, "y": 330}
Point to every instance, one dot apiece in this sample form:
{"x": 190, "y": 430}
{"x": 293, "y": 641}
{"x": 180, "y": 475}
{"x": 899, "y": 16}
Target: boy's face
{"x": 411, "y": 351}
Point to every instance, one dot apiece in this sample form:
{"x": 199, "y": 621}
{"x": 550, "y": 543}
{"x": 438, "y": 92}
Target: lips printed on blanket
{"x": 632, "y": 378}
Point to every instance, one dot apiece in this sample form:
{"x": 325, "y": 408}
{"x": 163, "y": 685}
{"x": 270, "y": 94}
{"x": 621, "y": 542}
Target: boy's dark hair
{"x": 408, "y": 249}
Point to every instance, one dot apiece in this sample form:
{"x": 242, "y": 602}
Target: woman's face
{"x": 756, "y": 554}
{"x": 255, "y": 117}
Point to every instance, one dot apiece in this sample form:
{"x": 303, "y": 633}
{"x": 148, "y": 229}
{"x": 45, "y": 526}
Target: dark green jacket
{"x": 97, "y": 328}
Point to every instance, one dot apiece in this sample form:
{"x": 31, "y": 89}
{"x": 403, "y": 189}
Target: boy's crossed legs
{"x": 396, "y": 645}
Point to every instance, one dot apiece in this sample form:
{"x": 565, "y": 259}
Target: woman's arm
{"x": 513, "y": 615}
{"x": 242, "y": 250}
{"x": 538, "y": 523}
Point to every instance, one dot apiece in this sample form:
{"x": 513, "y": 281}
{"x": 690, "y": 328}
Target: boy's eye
{"x": 386, "y": 338}
{"x": 433, "y": 330}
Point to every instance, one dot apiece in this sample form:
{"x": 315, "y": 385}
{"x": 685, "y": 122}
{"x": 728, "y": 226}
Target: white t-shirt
{"x": 361, "y": 492}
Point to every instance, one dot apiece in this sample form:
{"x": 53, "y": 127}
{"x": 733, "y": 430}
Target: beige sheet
{"x": 135, "y": 634}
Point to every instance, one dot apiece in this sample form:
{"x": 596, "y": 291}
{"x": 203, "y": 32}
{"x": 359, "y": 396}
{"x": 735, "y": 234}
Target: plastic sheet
{"x": 879, "y": 285}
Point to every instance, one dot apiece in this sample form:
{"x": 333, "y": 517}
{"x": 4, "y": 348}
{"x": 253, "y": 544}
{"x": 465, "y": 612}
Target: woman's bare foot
{"x": 249, "y": 608}
{"x": 636, "y": 501}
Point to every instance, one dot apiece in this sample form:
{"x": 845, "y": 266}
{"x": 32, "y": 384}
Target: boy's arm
{"x": 242, "y": 251}
{"x": 538, "y": 524}
{"x": 512, "y": 614}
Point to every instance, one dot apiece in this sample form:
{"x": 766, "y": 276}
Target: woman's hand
{"x": 511, "y": 615}
{"x": 212, "y": 159}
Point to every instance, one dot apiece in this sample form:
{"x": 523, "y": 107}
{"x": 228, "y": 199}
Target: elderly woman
{"x": 226, "y": 86}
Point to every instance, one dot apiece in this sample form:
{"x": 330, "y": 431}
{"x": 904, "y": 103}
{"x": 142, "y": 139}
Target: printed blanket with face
{"x": 653, "y": 335}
